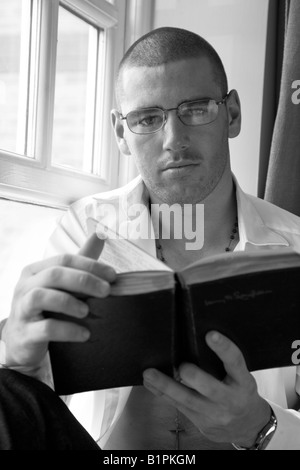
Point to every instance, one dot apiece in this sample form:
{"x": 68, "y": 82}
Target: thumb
{"x": 92, "y": 247}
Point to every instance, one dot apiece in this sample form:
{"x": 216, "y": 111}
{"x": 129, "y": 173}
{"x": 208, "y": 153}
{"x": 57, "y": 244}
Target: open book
{"x": 155, "y": 317}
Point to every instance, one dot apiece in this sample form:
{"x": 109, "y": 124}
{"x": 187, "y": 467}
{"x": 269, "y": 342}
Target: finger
{"x": 68, "y": 279}
{"x": 230, "y": 355}
{"x": 41, "y": 299}
{"x": 57, "y": 330}
{"x": 202, "y": 382}
{"x": 92, "y": 247}
{"x": 172, "y": 391}
{"x": 190, "y": 414}
{"x": 77, "y": 262}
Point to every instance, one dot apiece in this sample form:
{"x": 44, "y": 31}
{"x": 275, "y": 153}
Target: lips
{"x": 180, "y": 164}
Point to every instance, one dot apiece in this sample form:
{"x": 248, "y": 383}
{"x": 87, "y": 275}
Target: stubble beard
{"x": 185, "y": 192}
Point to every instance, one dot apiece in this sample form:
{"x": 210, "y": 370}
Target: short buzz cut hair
{"x": 163, "y": 45}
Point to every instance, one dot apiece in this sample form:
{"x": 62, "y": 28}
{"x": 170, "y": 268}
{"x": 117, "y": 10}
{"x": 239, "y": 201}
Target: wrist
{"x": 6, "y": 361}
{"x": 263, "y": 437}
{"x": 2, "y": 325}
{"x": 2, "y": 345}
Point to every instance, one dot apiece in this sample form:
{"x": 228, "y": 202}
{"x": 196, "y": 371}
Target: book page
{"x": 238, "y": 263}
{"x": 142, "y": 282}
{"x": 121, "y": 253}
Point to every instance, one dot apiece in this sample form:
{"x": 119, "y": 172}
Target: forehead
{"x": 169, "y": 84}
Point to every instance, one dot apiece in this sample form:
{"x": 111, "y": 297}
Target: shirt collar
{"x": 129, "y": 206}
{"x": 252, "y": 229}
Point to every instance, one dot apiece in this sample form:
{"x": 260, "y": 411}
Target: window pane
{"x": 14, "y": 43}
{"x": 72, "y": 144}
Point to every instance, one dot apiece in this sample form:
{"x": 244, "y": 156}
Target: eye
{"x": 196, "y": 109}
{"x": 148, "y": 120}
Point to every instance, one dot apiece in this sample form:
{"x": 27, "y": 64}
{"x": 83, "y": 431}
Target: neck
{"x": 220, "y": 212}
{"x": 220, "y": 209}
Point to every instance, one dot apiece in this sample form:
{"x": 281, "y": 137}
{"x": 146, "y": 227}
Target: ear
{"x": 118, "y": 126}
{"x": 234, "y": 114}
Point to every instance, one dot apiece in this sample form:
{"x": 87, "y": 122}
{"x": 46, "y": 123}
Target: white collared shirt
{"x": 261, "y": 225}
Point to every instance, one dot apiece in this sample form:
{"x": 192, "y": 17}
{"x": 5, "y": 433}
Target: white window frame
{"x": 139, "y": 21}
{"x": 37, "y": 180}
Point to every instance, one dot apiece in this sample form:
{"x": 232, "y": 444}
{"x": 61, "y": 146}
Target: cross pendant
{"x": 177, "y": 432}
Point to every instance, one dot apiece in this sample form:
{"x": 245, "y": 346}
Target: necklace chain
{"x": 160, "y": 255}
{"x": 233, "y": 235}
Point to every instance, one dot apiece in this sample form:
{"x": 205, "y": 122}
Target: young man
{"x": 174, "y": 117}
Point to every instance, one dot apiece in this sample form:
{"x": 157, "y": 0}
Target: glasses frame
{"x": 177, "y": 109}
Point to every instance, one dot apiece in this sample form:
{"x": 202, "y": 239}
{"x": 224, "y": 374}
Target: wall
{"x": 237, "y": 29}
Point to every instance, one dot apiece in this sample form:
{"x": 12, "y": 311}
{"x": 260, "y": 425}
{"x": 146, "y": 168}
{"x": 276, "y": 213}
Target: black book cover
{"x": 128, "y": 335}
{"x": 259, "y": 311}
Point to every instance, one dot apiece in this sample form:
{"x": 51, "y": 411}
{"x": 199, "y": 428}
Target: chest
{"x": 148, "y": 423}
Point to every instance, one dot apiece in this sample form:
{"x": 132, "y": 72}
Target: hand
{"x": 228, "y": 411}
{"x": 48, "y": 285}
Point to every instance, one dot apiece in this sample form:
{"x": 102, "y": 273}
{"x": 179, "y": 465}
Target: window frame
{"x": 37, "y": 180}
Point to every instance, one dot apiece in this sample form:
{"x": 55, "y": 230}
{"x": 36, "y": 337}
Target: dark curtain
{"x": 281, "y": 172}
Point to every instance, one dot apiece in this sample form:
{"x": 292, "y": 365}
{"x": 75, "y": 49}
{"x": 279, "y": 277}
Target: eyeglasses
{"x": 190, "y": 113}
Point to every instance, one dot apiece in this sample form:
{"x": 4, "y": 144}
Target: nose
{"x": 176, "y": 137}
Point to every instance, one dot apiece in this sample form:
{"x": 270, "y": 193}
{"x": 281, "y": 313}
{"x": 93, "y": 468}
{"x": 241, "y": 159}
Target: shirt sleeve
{"x": 287, "y": 434}
{"x": 43, "y": 372}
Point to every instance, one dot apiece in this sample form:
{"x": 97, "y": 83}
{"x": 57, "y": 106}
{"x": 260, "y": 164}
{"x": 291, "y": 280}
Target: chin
{"x": 187, "y": 194}
{"x": 181, "y": 196}
{"x": 185, "y": 191}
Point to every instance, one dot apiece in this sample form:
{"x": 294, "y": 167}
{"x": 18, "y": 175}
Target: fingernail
{"x": 216, "y": 337}
{"x": 103, "y": 288}
{"x": 84, "y": 309}
{"x": 86, "y": 334}
{"x": 110, "y": 274}
{"x": 102, "y": 235}
{"x": 149, "y": 375}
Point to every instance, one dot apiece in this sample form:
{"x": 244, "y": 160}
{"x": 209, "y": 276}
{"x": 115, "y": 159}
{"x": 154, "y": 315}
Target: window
{"x": 57, "y": 59}
{"x": 10, "y": 52}
{"x": 79, "y": 63}
{"x": 16, "y": 57}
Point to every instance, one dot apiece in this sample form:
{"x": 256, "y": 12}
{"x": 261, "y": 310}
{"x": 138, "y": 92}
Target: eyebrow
{"x": 180, "y": 103}
{"x": 204, "y": 98}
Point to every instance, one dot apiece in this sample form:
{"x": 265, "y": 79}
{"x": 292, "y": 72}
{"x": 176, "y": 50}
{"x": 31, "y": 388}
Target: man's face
{"x": 179, "y": 163}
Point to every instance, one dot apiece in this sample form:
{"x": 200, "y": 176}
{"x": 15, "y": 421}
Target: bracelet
{"x": 263, "y": 437}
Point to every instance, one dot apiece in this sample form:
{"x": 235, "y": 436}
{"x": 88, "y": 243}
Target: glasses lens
{"x": 145, "y": 121}
{"x": 197, "y": 113}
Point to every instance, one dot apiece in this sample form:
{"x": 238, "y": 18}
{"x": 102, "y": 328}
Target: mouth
{"x": 184, "y": 164}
